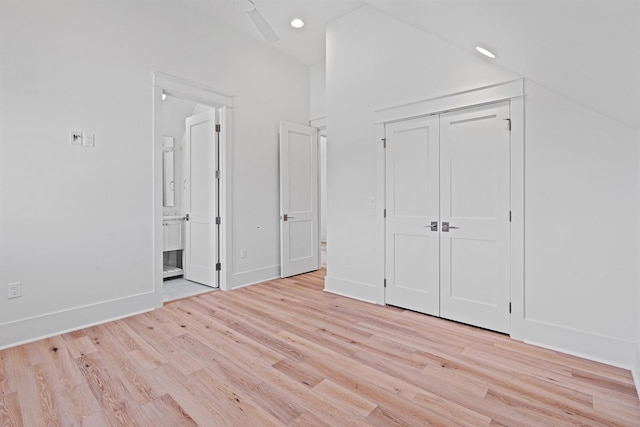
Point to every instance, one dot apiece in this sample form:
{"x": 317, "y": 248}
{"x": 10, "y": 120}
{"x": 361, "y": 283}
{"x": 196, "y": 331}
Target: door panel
{"x": 300, "y": 228}
{"x": 200, "y": 153}
{"x": 412, "y": 258}
{"x": 474, "y": 180}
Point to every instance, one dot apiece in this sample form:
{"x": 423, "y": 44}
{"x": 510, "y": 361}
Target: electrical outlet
{"x": 243, "y": 253}
{"x": 15, "y": 290}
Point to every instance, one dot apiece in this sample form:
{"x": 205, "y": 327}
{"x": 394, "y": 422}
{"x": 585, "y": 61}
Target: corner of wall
{"x": 636, "y": 369}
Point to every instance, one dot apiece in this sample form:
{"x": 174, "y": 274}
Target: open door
{"x": 299, "y": 216}
{"x": 201, "y": 198}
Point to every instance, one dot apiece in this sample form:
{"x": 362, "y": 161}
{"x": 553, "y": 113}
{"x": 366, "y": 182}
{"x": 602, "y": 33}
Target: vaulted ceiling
{"x": 587, "y": 50}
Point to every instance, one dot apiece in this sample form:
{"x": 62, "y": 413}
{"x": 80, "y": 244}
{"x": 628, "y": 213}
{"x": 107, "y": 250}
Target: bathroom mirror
{"x": 168, "y": 185}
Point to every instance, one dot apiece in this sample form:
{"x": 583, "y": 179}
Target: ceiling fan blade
{"x": 263, "y": 26}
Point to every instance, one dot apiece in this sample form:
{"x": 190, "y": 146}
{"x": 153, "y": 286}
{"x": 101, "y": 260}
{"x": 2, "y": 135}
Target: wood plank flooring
{"x": 285, "y": 353}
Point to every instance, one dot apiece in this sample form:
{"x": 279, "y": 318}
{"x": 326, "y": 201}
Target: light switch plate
{"x": 77, "y": 138}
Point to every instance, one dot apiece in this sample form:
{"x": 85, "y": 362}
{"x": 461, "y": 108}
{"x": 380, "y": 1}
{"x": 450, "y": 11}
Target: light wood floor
{"x": 286, "y": 353}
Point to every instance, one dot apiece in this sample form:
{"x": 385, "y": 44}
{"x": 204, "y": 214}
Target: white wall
{"x": 76, "y": 225}
{"x": 318, "y": 90}
{"x": 581, "y": 185}
{"x": 581, "y": 228}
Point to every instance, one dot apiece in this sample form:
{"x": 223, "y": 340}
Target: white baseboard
{"x": 246, "y": 278}
{"x": 31, "y": 329}
{"x": 351, "y": 289}
{"x": 599, "y": 348}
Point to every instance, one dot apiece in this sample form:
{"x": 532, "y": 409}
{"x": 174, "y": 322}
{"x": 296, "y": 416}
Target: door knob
{"x": 433, "y": 226}
{"x": 446, "y": 227}
{"x": 286, "y": 217}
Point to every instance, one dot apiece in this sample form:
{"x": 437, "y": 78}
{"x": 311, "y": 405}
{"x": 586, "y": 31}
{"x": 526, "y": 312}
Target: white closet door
{"x": 200, "y": 198}
{"x": 475, "y": 201}
{"x": 300, "y": 228}
{"x": 412, "y": 248}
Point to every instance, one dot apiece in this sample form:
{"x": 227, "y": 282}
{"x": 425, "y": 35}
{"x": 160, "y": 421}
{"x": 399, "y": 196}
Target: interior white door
{"x": 412, "y": 203}
{"x": 299, "y": 216}
{"x": 200, "y": 198}
{"x": 475, "y": 202}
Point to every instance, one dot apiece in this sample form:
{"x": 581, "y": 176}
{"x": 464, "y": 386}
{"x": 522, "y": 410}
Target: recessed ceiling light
{"x": 297, "y": 23}
{"x": 486, "y": 52}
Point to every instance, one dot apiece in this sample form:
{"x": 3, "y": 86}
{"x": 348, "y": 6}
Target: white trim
{"x": 196, "y": 92}
{"x": 348, "y": 288}
{"x": 599, "y": 348}
{"x": 320, "y": 123}
{"x": 165, "y": 83}
{"x": 251, "y": 277}
{"x": 226, "y": 197}
{"x": 381, "y": 173}
{"x": 518, "y": 217}
{"x": 465, "y": 99}
{"x": 52, "y": 324}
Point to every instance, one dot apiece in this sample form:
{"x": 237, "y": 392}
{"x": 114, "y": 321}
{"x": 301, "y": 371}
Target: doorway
{"x": 447, "y": 239}
{"x": 190, "y": 197}
{"x": 192, "y": 186}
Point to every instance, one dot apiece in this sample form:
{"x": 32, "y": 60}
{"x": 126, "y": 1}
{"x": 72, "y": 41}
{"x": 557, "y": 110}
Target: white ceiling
{"x": 588, "y": 50}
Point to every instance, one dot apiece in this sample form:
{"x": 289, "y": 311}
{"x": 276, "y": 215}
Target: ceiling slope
{"x": 587, "y": 50}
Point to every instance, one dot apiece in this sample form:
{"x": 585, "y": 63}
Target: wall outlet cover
{"x": 14, "y": 290}
{"x": 90, "y": 140}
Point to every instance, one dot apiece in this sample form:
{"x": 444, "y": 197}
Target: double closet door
{"x": 447, "y": 232}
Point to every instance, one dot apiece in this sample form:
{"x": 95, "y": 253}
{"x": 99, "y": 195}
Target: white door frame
{"x": 513, "y": 91}
{"x": 175, "y": 86}
{"x": 321, "y": 125}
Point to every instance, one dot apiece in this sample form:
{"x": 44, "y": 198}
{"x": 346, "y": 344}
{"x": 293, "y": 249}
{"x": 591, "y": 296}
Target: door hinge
{"x": 509, "y": 216}
{"x": 218, "y": 266}
{"x": 218, "y": 221}
{"x": 217, "y": 174}
{"x": 509, "y": 307}
{"x": 218, "y": 128}
{"x": 385, "y": 283}
{"x": 384, "y": 142}
{"x": 385, "y": 213}
{"x": 508, "y": 123}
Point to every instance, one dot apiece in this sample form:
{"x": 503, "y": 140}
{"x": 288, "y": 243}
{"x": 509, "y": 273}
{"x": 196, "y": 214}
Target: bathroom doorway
{"x": 190, "y": 160}
{"x": 191, "y": 134}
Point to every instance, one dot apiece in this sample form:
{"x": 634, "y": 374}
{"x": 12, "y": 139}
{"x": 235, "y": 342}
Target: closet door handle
{"x": 433, "y": 226}
{"x": 446, "y": 227}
